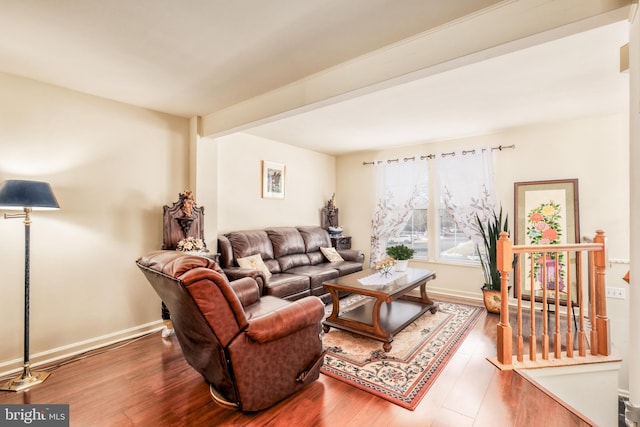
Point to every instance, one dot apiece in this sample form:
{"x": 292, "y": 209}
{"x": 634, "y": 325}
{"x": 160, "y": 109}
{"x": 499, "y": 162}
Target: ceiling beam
{"x": 506, "y": 27}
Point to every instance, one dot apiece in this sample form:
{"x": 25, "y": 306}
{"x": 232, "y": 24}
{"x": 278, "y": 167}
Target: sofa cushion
{"x": 247, "y": 243}
{"x": 285, "y": 241}
{"x": 347, "y": 267}
{"x": 316, "y": 258}
{"x": 254, "y": 262}
{"x": 331, "y": 254}
{"x": 317, "y": 274}
{"x": 314, "y": 238}
{"x": 291, "y": 261}
{"x": 288, "y": 286}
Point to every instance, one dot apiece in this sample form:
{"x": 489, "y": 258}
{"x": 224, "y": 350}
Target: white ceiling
{"x": 196, "y": 57}
{"x": 572, "y": 77}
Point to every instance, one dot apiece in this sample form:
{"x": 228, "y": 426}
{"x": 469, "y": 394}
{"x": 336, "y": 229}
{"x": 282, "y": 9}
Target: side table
{"x": 341, "y": 242}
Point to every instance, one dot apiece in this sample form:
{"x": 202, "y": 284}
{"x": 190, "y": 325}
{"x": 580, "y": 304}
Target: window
{"x": 462, "y": 186}
{"x": 465, "y": 189}
{"x": 414, "y": 234}
{"x": 454, "y": 244}
{"x": 400, "y": 215}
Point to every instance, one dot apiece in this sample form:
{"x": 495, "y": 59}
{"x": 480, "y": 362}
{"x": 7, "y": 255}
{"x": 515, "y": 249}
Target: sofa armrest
{"x": 247, "y": 290}
{"x": 352, "y": 255}
{"x": 235, "y": 273}
{"x": 286, "y": 320}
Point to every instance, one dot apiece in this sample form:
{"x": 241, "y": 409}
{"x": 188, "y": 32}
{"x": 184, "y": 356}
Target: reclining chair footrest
{"x": 217, "y": 397}
{"x": 314, "y": 368}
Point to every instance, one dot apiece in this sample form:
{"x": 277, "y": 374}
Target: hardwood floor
{"x": 148, "y": 383}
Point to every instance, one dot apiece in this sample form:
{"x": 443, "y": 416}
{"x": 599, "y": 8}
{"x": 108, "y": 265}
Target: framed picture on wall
{"x": 273, "y": 180}
{"x": 547, "y": 213}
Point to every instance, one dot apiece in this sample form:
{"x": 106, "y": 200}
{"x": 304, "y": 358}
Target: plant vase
{"x": 402, "y": 265}
{"x": 401, "y": 254}
{"x": 490, "y": 231}
{"x": 492, "y": 300}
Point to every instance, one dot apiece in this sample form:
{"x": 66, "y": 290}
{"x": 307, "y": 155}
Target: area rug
{"x": 551, "y": 328}
{"x": 418, "y": 354}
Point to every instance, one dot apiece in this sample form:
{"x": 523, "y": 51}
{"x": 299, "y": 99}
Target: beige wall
{"x": 206, "y": 188}
{"x": 309, "y": 183}
{"x": 634, "y": 203}
{"x": 594, "y": 150}
{"x": 112, "y": 168}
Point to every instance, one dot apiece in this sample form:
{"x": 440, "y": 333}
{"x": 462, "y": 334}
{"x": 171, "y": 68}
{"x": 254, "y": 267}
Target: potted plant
{"x": 402, "y": 254}
{"x": 490, "y": 231}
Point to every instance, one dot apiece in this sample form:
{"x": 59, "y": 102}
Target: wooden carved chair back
{"x": 183, "y": 219}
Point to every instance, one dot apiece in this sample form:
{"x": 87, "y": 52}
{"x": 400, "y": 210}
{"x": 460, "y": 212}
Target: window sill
{"x": 457, "y": 263}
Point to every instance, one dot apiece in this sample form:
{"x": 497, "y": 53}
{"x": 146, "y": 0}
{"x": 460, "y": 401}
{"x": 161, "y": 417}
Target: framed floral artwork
{"x": 547, "y": 213}
{"x": 272, "y": 180}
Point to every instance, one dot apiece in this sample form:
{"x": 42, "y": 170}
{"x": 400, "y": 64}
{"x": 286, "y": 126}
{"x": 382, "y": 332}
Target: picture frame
{"x": 273, "y": 180}
{"x": 547, "y": 212}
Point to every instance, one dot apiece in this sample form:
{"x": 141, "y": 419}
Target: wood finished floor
{"x": 148, "y": 383}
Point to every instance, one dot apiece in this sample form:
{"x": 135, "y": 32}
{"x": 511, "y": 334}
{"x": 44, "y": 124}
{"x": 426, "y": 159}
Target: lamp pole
{"x": 27, "y": 273}
{"x": 24, "y": 196}
{"x": 27, "y": 379}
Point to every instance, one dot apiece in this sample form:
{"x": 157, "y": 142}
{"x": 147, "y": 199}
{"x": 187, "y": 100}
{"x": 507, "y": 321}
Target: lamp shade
{"x": 19, "y": 194}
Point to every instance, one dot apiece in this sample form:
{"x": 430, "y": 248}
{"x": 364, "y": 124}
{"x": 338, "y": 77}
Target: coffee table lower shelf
{"x": 392, "y": 318}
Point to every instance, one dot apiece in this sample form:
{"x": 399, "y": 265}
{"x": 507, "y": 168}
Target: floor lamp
{"x": 26, "y": 196}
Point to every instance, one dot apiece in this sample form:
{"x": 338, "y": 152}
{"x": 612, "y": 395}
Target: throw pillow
{"x": 254, "y": 262}
{"x": 331, "y": 254}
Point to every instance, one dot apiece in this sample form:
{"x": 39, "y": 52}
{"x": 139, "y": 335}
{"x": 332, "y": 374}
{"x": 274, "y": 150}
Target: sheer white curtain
{"x": 399, "y": 185}
{"x": 466, "y": 185}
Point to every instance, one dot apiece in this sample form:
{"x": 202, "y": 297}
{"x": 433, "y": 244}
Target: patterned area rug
{"x": 418, "y": 354}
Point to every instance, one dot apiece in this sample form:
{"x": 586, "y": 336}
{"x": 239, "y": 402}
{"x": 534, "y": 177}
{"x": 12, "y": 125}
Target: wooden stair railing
{"x": 537, "y": 258}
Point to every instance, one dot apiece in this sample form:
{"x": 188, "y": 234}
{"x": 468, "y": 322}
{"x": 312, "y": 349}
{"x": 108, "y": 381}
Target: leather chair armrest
{"x": 247, "y": 290}
{"x": 235, "y": 273}
{"x": 286, "y": 320}
{"x": 351, "y": 255}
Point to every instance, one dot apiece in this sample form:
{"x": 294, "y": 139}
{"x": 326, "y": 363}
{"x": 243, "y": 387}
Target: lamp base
{"x": 26, "y": 380}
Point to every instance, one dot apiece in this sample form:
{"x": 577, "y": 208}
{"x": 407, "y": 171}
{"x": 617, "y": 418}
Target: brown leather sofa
{"x": 253, "y": 350}
{"x": 293, "y": 257}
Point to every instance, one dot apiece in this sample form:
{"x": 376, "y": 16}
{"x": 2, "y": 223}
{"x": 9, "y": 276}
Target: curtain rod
{"x": 433, "y": 156}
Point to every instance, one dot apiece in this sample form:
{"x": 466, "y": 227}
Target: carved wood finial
{"x": 183, "y": 219}
{"x": 188, "y": 202}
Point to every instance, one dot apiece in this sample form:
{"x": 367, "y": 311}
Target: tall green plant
{"x": 490, "y": 235}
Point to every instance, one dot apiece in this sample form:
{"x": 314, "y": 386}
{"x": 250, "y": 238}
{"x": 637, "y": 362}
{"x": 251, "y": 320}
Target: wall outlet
{"x": 619, "y": 293}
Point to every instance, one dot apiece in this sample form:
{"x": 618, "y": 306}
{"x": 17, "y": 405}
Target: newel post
{"x": 504, "y": 254}
{"x": 602, "y": 322}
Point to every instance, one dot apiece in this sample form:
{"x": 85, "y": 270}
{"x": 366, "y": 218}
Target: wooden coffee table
{"x": 390, "y": 309}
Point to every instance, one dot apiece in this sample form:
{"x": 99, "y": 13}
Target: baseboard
{"x": 477, "y": 299}
{"x": 48, "y": 357}
{"x": 471, "y": 298}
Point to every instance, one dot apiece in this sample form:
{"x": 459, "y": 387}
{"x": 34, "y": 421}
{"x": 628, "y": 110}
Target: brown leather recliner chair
{"x": 253, "y": 350}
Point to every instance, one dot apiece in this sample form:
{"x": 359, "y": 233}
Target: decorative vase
{"x": 402, "y": 265}
{"x": 492, "y": 300}
{"x": 335, "y": 231}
